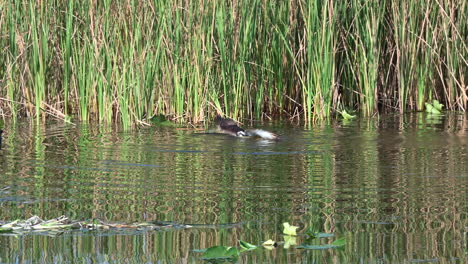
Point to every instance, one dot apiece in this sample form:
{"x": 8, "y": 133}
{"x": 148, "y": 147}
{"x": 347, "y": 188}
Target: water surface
{"x": 395, "y": 187}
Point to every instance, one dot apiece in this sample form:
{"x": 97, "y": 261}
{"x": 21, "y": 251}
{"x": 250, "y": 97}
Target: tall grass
{"x": 127, "y": 61}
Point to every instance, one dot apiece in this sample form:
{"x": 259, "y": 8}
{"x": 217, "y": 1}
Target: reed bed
{"x": 126, "y": 61}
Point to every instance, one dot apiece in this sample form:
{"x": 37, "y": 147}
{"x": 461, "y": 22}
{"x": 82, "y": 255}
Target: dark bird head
{"x": 218, "y": 119}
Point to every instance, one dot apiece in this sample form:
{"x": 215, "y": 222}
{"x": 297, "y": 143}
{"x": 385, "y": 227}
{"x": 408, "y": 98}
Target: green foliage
{"x": 221, "y": 253}
{"x": 247, "y": 246}
{"x": 437, "y": 105}
{"x": 434, "y": 108}
{"x": 289, "y": 241}
{"x": 120, "y": 62}
{"x": 347, "y": 116}
{"x": 339, "y": 242}
{"x": 336, "y": 244}
{"x": 289, "y": 229}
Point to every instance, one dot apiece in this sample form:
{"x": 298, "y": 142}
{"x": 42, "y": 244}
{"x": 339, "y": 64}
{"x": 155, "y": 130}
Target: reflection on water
{"x": 395, "y": 187}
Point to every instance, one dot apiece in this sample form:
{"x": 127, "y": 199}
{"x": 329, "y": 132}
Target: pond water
{"x": 394, "y": 187}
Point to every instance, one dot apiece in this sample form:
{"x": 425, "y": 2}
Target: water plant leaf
{"x": 437, "y": 105}
{"x": 289, "y": 229}
{"x": 339, "y": 242}
{"x": 221, "y": 252}
{"x": 336, "y": 244}
{"x": 311, "y": 233}
{"x": 316, "y": 247}
{"x": 269, "y": 244}
{"x": 322, "y": 235}
{"x": 247, "y": 246}
{"x": 347, "y": 116}
{"x": 289, "y": 241}
{"x": 431, "y": 109}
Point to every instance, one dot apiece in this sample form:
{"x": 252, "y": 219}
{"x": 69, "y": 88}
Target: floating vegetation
{"x": 63, "y": 223}
{"x": 289, "y": 229}
{"x": 247, "y": 246}
{"x": 346, "y": 116}
{"x": 434, "y": 108}
{"x": 221, "y": 254}
{"x": 336, "y": 244}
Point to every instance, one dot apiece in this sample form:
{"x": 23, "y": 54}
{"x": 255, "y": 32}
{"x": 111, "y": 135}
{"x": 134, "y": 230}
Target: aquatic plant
{"x": 289, "y": 229}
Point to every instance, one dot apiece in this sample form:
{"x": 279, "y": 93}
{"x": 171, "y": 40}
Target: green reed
{"x": 127, "y": 61}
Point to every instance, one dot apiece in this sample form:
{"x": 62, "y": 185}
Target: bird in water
{"x": 230, "y": 127}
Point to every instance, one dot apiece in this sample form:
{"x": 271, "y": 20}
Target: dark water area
{"x": 395, "y": 187}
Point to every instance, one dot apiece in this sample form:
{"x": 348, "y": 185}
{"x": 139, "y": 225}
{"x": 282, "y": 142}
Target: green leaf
{"x": 221, "y": 252}
{"x": 246, "y": 245}
{"x": 311, "y": 233}
{"x": 269, "y": 244}
{"x": 289, "y": 229}
{"x": 347, "y": 116}
{"x": 431, "y": 109}
{"x": 437, "y": 105}
{"x": 339, "y": 242}
{"x": 289, "y": 241}
{"x": 336, "y": 244}
{"x": 316, "y": 247}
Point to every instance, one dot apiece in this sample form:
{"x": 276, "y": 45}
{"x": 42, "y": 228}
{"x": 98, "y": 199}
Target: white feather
{"x": 262, "y": 133}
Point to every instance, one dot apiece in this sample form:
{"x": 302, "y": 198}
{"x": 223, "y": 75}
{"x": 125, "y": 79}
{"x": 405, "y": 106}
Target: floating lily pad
{"x": 316, "y": 247}
{"x": 221, "y": 253}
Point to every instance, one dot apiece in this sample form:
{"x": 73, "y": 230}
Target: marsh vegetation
{"x": 127, "y": 61}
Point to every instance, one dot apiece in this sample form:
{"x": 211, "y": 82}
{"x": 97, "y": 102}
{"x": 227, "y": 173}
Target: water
{"x": 395, "y": 188}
